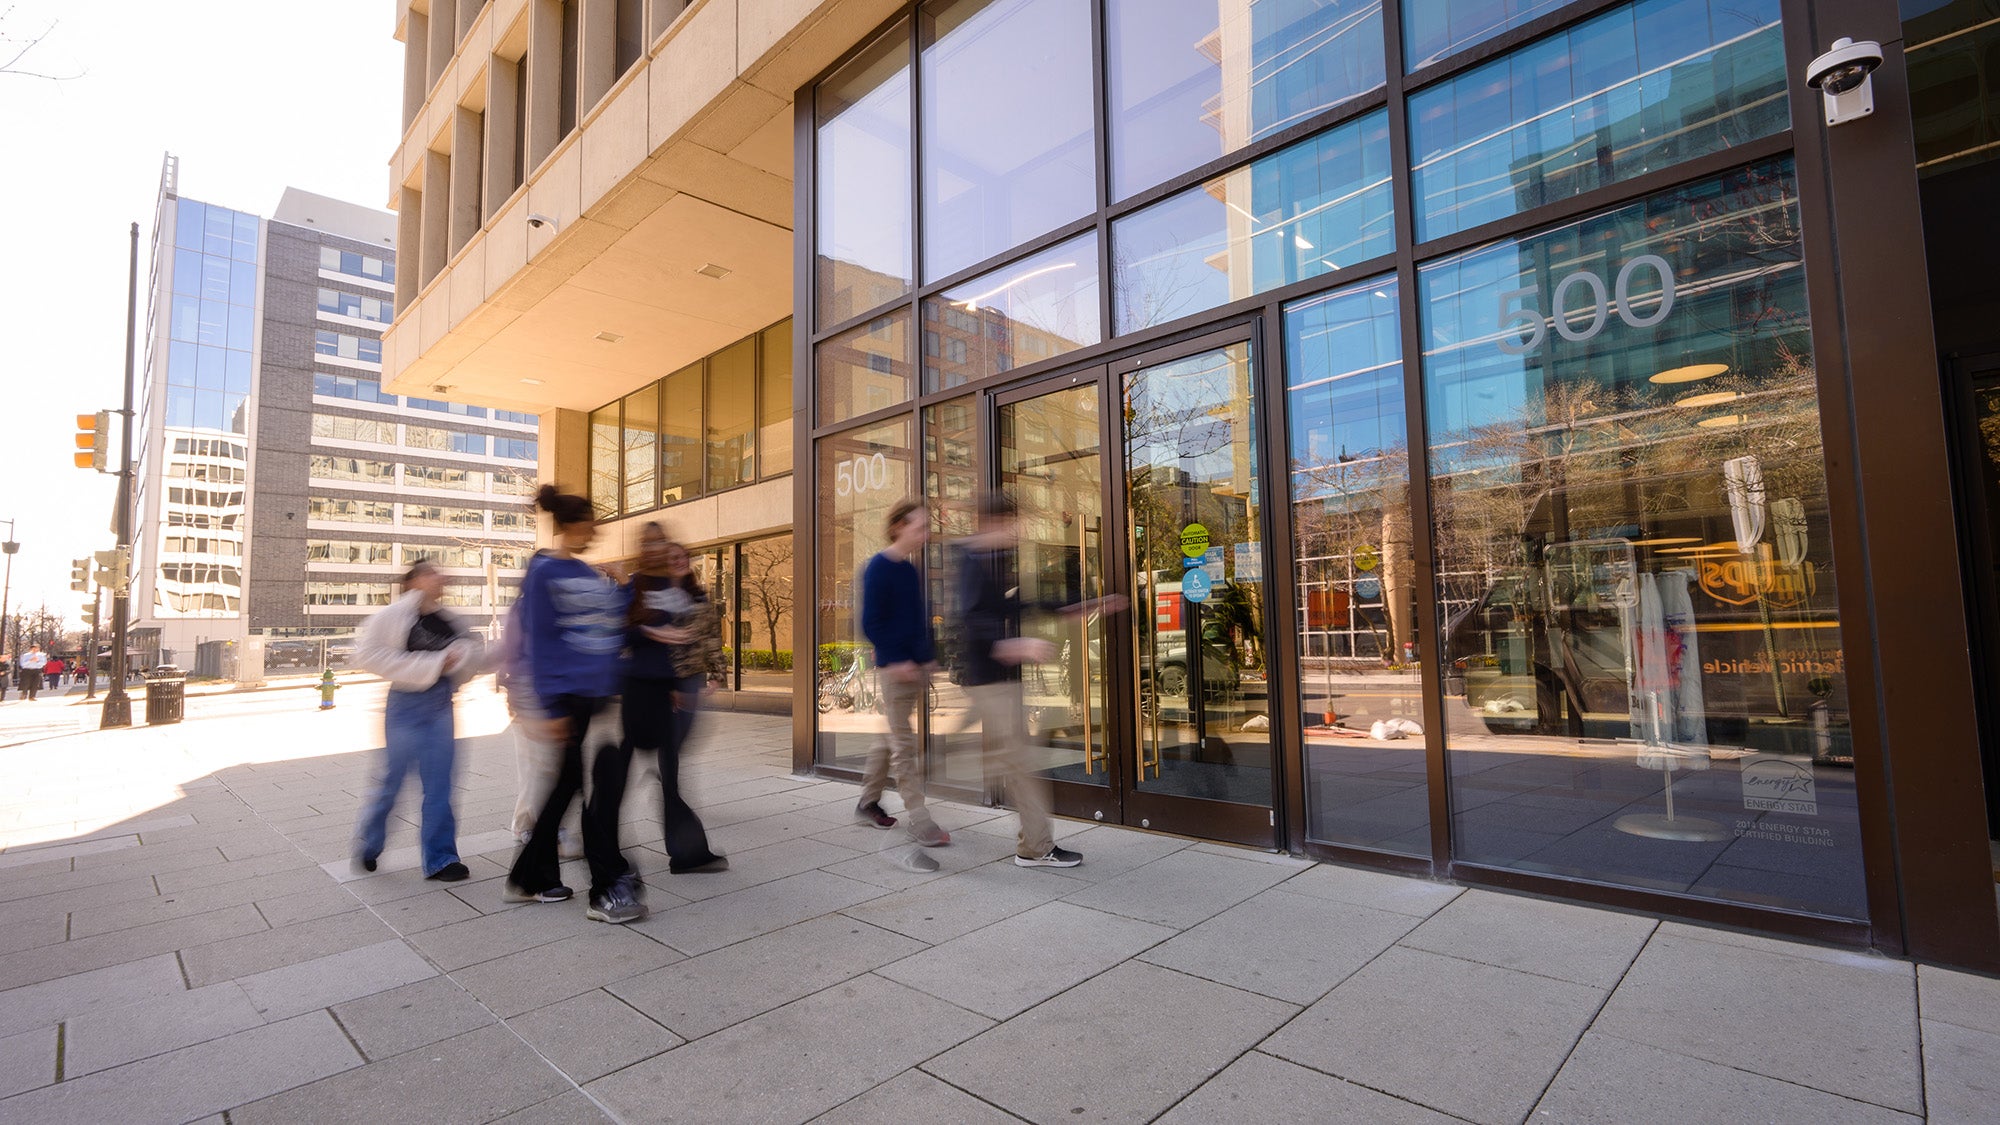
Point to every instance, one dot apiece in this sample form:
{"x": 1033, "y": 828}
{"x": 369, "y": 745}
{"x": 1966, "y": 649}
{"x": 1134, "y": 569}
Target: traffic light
{"x": 112, "y": 567}
{"x": 93, "y": 440}
{"x": 79, "y": 575}
{"x": 90, "y": 615}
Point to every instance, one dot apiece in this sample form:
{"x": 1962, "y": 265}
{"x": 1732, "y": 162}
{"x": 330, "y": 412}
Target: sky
{"x": 253, "y": 96}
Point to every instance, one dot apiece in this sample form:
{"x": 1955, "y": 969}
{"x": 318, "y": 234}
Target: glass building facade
{"x": 1444, "y": 385}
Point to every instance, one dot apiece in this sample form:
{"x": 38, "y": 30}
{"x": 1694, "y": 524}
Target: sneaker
{"x": 365, "y": 863}
{"x": 1057, "y": 857}
{"x": 930, "y": 836}
{"x": 452, "y": 872}
{"x": 715, "y": 862}
{"x": 557, "y": 893}
{"x": 521, "y": 838}
{"x": 913, "y": 859}
{"x": 616, "y": 906}
{"x": 568, "y": 846}
{"x": 872, "y": 814}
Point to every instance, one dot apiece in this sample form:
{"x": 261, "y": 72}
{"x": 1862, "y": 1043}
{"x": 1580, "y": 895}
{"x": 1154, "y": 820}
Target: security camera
{"x": 1843, "y": 77}
{"x": 539, "y": 221}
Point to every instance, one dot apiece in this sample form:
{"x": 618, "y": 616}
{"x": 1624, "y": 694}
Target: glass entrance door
{"x": 1202, "y": 761}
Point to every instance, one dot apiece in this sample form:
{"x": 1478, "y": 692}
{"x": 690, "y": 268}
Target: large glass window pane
{"x": 211, "y": 368}
{"x": 1041, "y": 306}
{"x": 605, "y": 459}
{"x": 237, "y": 372}
{"x": 862, "y": 215}
{"x": 732, "y": 398}
{"x": 1006, "y": 117}
{"x": 187, "y": 273}
{"x": 764, "y": 622}
{"x": 189, "y": 219}
{"x": 951, "y": 490}
{"x": 243, "y": 245}
{"x": 186, "y": 318}
{"x": 214, "y": 328}
{"x": 1640, "y": 618}
{"x": 218, "y": 231}
{"x": 1192, "y": 80}
{"x": 1433, "y": 29}
{"x": 1954, "y": 58}
{"x": 681, "y": 452}
{"x": 214, "y": 279}
{"x": 641, "y": 447}
{"x": 243, "y": 284}
{"x": 180, "y": 406}
{"x": 243, "y": 329}
{"x": 774, "y": 401}
{"x": 1309, "y": 209}
{"x": 1639, "y": 88}
{"x": 1356, "y": 559}
{"x": 865, "y": 368}
{"x": 862, "y": 473}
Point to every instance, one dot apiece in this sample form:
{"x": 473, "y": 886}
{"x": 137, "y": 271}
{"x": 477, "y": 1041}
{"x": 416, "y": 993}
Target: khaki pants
{"x": 897, "y": 750}
{"x": 1003, "y": 714}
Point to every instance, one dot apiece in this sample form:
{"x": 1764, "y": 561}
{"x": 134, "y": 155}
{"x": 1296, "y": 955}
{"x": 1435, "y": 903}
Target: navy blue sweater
{"x": 892, "y": 612}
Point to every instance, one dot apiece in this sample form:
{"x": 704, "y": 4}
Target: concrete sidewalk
{"x": 182, "y": 938}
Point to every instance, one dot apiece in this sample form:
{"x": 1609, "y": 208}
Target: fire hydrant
{"x": 326, "y": 689}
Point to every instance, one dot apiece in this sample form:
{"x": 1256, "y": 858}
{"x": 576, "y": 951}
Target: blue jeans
{"x": 418, "y": 732}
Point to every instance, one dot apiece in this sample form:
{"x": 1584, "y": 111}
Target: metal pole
{"x": 117, "y": 705}
{"x": 91, "y": 664}
{"x": 6, "y": 593}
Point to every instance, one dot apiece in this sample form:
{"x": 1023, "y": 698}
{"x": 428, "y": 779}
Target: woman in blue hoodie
{"x": 575, "y": 617}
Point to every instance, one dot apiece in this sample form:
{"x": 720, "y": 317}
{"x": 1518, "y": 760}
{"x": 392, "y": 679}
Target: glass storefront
{"x": 1472, "y": 511}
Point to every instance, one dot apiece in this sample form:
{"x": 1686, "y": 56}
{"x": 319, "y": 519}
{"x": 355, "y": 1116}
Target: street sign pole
{"x": 91, "y": 664}
{"x": 117, "y": 705}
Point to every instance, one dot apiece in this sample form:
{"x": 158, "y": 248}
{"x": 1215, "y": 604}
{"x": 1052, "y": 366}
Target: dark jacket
{"x": 654, "y": 603}
{"x": 893, "y": 615}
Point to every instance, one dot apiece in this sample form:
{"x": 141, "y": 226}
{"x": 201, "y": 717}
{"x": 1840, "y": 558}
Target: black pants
{"x": 537, "y": 868}
{"x": 31, "y": 681}
{"x": 653, "y": 722}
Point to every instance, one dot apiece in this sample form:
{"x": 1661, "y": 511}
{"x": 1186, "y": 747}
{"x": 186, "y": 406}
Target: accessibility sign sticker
{"x": 1195, "y": 585}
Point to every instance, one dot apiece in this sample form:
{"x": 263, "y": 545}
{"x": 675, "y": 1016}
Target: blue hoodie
{"x": 576, "y": 628}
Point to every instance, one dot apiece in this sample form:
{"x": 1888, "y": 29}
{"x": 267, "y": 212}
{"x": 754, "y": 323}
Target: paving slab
{"x": 886, "y": 868}
{"x": 325, "y": 981}
{"x": 571, "y": 1108}
{"x": 704, "y": 994}
{"x": 1961, "y": 1074}
{"x": 1612, "y": 1079}
{"x": 114, "y": 1036}
{"x": 1271, "y": 1091}
{"x": 51, "y": 1002}
{"x": 1472, "y": 1040}
{"x": 535, "y": 978}
{"x": 1551, "y": 939}
{"x": 27, "y": 1060}
{"x": 69, "y": 958}
{"x": 194, "y": 1081}
{"x": 915, "y": 1096}
{"x": 1287, "y": 946}
{"x": 499, "y": 934}
{"x": 411, "y": 1016}
{"x": 1378, "y": 889}
{"x": 249, "y": 954}
{"x": 1110, "y": 853}
{"x": 939, "y": 910}
{"x": 753, "y": 868}
{"x": 700, "y": 927}
{"x": 1945, "y": 996}
{"x": 200, "y": 900}
{"x": 1003, "y": 969}
{"x": 591, "y": 1035}
{"x": 424, "y": 912}
{"x": 470, "y": 1078}
{"x": 807, "y": 1058}
{"x": 1122, "y": 1047}
{"x": 1181, "y": 889}
{"x": 1849, "y": 1027}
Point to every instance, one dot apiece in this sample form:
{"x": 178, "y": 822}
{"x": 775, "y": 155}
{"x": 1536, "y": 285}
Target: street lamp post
{"x": 7, "y": 591}
{"x": 118, "y": 706}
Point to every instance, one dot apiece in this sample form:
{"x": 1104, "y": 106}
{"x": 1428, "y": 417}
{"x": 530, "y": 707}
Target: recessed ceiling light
{"x": 1708, "y": 398}
{"x": 532, "y": 382}
{"x": 1691, "y": 374}
{"x": 609, "y": 337}
{"x": 714, "y": 271}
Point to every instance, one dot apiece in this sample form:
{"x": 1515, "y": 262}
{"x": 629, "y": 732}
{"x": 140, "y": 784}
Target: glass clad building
{"x": 1464, "y": 394}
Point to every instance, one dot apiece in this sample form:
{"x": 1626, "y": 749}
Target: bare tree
{"x": 16, "y": 45}
{"x": 767, "y": 583}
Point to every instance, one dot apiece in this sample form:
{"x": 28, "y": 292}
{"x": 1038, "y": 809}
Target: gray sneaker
{"x": 913, "y": 859}
{"x": 929, "y": 835}
{"x": 617, "y": 906}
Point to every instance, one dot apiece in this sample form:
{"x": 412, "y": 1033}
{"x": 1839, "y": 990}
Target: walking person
{"x": 537, "y": 757}
{"x": 32, "y": 663}
{"x": 576, "y": 618}
{"x": 676, "y": 642}
{"x": 52, "y": 675}
{"x": 896, "y": 620}
{"x": 990, "y": 607}
{"x": 425, "y": 654}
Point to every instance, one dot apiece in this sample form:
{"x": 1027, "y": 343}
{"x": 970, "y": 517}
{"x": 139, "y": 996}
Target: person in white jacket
{"x": 424, "y": 654}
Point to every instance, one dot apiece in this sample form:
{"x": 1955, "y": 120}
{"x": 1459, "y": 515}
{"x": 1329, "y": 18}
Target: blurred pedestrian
{"x": 537, "y": 757}
{"x": 52, "y": 674}
{"x": 990, "y": 608}
{"x": 897, "y": 621}
{"x": 32, "y": 663}
{"x": 425, "y": 654}
{"x": 676, "y": 643}
{"x": 576, "y": 632}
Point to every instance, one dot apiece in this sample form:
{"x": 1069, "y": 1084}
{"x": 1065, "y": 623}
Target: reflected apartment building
{"x": 281, "y": 491}
{"x": 1513, "y": 477}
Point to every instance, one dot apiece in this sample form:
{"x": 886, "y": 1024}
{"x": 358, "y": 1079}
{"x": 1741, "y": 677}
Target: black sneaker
{"x": 557, "y": 893}
{"x": 365, "y": 863}
{"x": 453, "y": 872}
{"x": 871, "y": 814}
{"x": 1057, "y": 857}
{"x": 715, "y": 862}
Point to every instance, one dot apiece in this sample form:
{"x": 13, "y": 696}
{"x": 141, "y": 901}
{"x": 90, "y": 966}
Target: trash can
{"x": 166, "y": 695}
